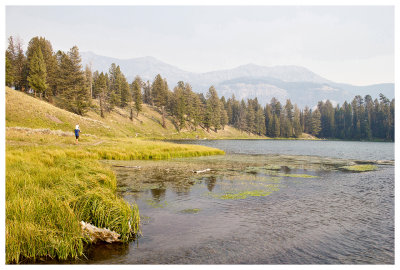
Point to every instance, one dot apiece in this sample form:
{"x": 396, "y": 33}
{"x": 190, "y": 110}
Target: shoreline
{"x": 52, "y": 185}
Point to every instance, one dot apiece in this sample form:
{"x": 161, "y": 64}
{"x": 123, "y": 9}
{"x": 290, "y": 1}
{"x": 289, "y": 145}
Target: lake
{"x": 335, "y": 149}
{"x": 265, "y": 202}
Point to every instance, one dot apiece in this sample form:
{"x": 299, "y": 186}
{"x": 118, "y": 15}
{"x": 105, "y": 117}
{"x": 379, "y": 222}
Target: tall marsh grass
{"x": 48, "y": 193}
{"x": 52, "y": 185}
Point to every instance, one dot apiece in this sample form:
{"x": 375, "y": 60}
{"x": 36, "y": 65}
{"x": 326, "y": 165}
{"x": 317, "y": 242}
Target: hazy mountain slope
{"x": 301, "y": 85}
{"x": 147, "y": 67}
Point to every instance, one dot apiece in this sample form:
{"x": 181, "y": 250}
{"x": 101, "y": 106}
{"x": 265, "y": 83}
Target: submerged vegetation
{"x": 190, "y": 211}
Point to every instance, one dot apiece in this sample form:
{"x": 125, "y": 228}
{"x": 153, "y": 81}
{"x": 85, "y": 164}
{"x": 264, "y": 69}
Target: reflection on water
{"x": 210, "y": 182}
{"x": 256, "y": 210}
{"x": 158, "y": 194}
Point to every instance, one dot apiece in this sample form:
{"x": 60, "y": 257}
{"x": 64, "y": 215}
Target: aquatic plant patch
{"x": 242, "y": 195}
{"x": 190, "y": 211}
{"x": 156, "y": 204}
{"x": 359, "y": 168}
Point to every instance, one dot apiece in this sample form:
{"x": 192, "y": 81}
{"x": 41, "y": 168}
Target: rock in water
{"x": 95, "y": 234}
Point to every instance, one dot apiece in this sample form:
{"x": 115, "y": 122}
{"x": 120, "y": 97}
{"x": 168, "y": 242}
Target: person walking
{"x": 77, "y": 133}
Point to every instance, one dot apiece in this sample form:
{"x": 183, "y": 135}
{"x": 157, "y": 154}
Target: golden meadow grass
{"x": 52, "y": 184}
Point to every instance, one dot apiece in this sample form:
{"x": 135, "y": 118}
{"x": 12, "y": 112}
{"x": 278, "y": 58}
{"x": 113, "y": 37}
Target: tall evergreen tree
{"x": 137, "y": 94}
{"x": 315, "y": 122}
{"x": 147, "y": 93}
{"x": 49, "y": 59}
{"x": 101, "y": 86}
{"x": 9, "y": 71}
{"x": 37, "y": 75}
{"x": 18, "y": 64}
{"x": 159, "y": 94}
{"x": 213, "y": 109}
{"x": 297, "y": 128}
{"x": 74, "y": 92}
{"x": 276, "y": 127}
{"x": 126, "y": 96}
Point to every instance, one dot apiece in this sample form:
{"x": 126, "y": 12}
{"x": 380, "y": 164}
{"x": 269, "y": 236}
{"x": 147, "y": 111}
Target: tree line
{"x": 58, "y": 77}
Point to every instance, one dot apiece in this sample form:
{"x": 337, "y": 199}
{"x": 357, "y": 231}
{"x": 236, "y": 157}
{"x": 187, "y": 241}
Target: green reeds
{"x": 48, "y": 193}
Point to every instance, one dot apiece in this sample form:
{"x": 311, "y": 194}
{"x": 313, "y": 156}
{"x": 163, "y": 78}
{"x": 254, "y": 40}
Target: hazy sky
{"x": 344, "y": 44}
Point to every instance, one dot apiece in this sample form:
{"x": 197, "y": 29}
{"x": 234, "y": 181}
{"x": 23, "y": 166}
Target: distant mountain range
{"x": 301, "y": 85}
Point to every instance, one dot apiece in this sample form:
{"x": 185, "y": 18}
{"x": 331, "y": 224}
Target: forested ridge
{"x": 58, "y": 77}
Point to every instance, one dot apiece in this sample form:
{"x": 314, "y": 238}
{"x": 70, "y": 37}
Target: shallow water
{"x": 249, "y": 210}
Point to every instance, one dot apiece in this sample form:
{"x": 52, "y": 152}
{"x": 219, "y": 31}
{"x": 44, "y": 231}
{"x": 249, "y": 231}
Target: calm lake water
{"x": 335, "y": 149}
{"x": 244, "y": 212}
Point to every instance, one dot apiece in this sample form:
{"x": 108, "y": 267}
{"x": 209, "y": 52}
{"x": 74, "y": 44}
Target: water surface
{"x": 335, "y": 149}
{"x": 260, "y": 209}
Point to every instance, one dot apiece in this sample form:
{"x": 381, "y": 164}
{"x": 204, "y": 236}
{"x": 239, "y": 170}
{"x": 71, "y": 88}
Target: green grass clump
{"x": 359, "y": 168}
{"x": 48, "y": 193}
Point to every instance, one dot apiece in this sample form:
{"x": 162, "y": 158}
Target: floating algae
{"x": 226, "y": 177}
{"x": 274, "y": 172}
{"x": 155, "y": 204}
{"x": 359, "y": 168}
{"x": 243, "y": 195}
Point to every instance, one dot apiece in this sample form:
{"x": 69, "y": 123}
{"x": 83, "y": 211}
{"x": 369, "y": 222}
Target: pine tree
{"x": 276, "y": 127}
{"x": 159, "y": 94}
{"x": 315, "y": 122}
{"x": 250, "y": 117}
{"x": 101, "y": 86}
{"x": 71, "y": 83}
{"x": 198, "y": 110}
{"x": 147, "y": 93}
{"x": 89, "y": 79}
{"x": 37, "y": 75}
{"x": 307, "y": 120}
{"x": 126, "y": 96}
{"x": 178, "y": 104}
{"x": 268, "y": 120}
{"x": 137, "y": 94}
{"x": 213, "y": 109}
{"x": 49, "y": 60}
{"x": 260, "y": 122}
{"x": 9, "y": 71}
{"x": 224, "y": 119}
{"x": 115, "y": 86}
{"x": 18, "y": 64}
{"x": 298, "y": 131}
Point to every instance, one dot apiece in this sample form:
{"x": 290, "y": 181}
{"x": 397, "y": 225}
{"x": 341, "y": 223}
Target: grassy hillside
{"x": 23, "y": 110}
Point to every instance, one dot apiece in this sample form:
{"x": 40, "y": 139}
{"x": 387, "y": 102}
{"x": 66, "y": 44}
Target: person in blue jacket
{"x": 77, "y": 133}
